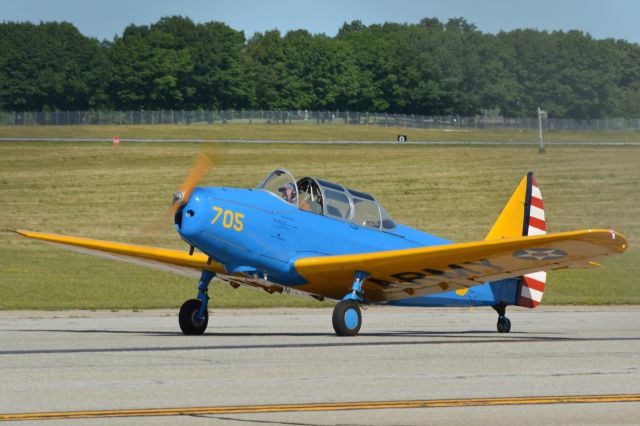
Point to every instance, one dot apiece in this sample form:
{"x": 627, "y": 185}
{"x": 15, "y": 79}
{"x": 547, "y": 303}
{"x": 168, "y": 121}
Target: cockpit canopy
{"x": 328, "y": 199}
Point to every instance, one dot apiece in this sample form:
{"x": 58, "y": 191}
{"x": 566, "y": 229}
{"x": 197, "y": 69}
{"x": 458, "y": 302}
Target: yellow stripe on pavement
{"x": 373, "y": 405}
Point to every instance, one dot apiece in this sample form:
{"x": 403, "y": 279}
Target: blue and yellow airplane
{"x": 319, "y": 238}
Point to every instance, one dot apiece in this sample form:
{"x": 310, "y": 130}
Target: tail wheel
{"x": 187, "y": 318}
{"x": 504, "y": 325}
{"x": 347, "y": 318}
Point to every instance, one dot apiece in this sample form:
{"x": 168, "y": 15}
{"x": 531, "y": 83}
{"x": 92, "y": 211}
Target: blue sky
{"x": 105, "y": 18}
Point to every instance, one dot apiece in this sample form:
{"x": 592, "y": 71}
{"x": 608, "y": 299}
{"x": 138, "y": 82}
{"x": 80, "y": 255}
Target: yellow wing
{"x": 155, "y": 257}
{"x": 400, "y": 274}
{"x": 395, "y": 274}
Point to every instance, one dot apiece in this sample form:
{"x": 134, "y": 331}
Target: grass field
{"x": 99, "y": 191}
{"x": 313, "y": 132}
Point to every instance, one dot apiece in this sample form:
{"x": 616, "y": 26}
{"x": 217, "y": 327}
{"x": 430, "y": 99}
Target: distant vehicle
{"x": 319, "y": 238}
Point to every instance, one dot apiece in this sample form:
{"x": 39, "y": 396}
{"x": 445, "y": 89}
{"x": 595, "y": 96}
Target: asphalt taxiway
{"x": 559, "y": 365}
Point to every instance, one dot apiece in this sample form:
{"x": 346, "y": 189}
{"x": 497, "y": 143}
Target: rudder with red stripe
{"x": 532, "y": 285}
{"x": 524, "y": 216}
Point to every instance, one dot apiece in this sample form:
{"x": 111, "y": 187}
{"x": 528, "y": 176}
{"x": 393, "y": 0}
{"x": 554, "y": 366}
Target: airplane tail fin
{"x": 522, "y": 216}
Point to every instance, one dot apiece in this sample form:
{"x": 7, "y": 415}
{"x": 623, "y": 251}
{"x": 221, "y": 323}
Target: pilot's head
{"x": 289, "y": 192}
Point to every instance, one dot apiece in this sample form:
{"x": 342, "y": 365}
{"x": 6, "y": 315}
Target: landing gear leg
{"x": 504, "y": 324}
{"x": 347, "y": 317}
{"x": 194, "y": 317}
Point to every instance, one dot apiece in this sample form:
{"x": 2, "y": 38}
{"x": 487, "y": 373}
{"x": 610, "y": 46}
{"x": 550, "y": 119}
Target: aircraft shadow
{"x": 328, "y": 341}
{"x": 418, "y": 333}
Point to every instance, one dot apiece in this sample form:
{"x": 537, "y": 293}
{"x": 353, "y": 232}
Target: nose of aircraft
{"x": 189, "y": 218}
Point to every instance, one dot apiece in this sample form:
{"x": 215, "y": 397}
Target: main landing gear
{"x": 194, "y": 317}
{"x": 504, "y": 324}
{"x": 347, "y": 317}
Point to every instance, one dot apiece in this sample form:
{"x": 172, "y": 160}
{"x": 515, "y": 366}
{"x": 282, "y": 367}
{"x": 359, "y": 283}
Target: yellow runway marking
{"x": 373, "y": 405}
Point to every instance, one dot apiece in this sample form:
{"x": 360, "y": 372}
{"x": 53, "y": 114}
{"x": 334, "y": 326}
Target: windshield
{"x": 282, "y": 184}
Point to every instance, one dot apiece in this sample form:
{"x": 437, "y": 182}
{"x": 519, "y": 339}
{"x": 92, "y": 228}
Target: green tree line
{"x": 429, "y": 68}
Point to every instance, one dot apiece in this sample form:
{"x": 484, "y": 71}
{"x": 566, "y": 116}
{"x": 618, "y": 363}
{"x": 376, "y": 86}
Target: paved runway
{"x": 572, "y": 365}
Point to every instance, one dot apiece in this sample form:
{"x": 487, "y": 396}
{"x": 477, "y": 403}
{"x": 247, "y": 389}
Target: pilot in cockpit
{"x": 290, "y": 195}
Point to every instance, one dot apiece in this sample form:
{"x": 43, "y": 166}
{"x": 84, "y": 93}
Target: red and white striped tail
{"x": 534, "y": 202}
{"x": 532, "y": 287}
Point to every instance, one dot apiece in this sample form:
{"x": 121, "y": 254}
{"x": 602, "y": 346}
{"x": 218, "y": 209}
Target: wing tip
{"x": 620, "y": 241}
{"x": 604, "y": 237}
{"x": 26, "y": 233}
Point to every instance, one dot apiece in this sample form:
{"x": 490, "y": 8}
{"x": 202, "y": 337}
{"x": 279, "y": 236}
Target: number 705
{"x": 230, "y": 219}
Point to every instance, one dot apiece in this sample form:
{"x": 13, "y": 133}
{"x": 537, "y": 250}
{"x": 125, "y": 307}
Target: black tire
{"x": 504, "y": 325}
{"x": 187, "y": 320}
{"x": 347, "y": 318}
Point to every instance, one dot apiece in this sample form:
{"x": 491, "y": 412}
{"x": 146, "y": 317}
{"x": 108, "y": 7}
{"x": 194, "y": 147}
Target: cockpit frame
{"x": 329, "y": 199}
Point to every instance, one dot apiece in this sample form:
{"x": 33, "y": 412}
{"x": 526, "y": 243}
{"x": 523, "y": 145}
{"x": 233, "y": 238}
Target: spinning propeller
{"x": 201, "y": 167}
